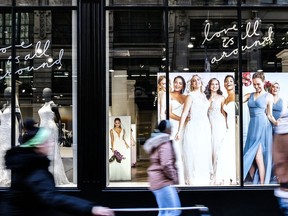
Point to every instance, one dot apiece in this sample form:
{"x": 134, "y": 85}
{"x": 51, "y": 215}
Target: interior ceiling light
{"x": 190, "y": 45}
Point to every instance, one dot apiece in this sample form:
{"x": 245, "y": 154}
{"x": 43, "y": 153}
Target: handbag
{"x": 116, "y": 156}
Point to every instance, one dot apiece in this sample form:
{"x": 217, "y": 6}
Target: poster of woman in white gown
{"x": 205, "y": 77}
{"x": 119, "y": 140}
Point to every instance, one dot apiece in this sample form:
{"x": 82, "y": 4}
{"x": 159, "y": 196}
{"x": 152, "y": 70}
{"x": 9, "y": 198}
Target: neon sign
{"x": 251, "y": 31}
{"x": 38, "y": 53}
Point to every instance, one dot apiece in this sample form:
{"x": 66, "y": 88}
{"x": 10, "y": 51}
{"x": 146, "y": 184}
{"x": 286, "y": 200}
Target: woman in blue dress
{"x": 258, "y": 147}
{"x": 279, "y": 105}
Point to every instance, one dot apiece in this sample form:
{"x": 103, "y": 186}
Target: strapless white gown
{"x": 226, "y": 169}
{"x": 177, "y": 108}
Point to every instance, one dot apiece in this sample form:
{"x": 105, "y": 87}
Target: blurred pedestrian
{"x": 280, "y": 157}
{"x": 162, "y": 172}
{"x": 33, "y": 191}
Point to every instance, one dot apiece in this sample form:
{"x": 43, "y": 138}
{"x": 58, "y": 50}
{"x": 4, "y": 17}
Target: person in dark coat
{"x": 33, "y": 191}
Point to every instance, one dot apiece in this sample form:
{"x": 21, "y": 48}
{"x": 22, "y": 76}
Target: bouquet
{"x": 268, "y": 86}
{"x": 246, "y": 79}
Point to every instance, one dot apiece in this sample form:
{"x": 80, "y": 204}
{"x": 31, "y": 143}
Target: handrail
{"x": 200, "y": 208}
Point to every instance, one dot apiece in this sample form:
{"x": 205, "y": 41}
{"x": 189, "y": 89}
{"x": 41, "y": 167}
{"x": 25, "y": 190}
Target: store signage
{"x": 251, "y": 32}
{"x": 40, "y": 53}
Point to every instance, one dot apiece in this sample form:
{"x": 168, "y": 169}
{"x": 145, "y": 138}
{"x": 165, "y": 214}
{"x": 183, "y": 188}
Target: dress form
{"x": 49, "y": 115}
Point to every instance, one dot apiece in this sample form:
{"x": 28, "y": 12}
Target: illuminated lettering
{"x": 40, "y": 52}
{"x": 251, "y": 31}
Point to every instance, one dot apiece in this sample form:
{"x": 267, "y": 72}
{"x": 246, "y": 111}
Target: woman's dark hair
{"x": 208, "y": 90}
{"x": 163, "y": 125}
{"x": 229, "y": 76}
{"x": 117, "y": 119}
{"x": 183, "y": 81}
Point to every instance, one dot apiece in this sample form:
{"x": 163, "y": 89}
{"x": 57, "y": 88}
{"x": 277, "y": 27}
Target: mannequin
{"x": 49, "y": 116}
{"x": 5, "y": 134}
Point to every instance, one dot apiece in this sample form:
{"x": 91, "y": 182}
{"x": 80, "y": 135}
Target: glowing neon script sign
{"x": 35, "y": 55}
{"x": 250, "y": 31}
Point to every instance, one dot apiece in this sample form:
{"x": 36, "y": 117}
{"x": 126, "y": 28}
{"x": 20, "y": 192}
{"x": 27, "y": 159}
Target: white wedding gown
{"x": 47, "y": 120}
{"x": 120, "y": 171}
{"x": 177, "y": 145}
{"x": 226, "y": 171}
{"x": 197, "y": 151}
{"x": 218, "y": 129}
{"x": 5, "y": 144}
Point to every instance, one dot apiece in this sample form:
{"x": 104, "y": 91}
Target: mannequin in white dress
{"x": 49, "y": 113}
{"x": 5, "y": 134}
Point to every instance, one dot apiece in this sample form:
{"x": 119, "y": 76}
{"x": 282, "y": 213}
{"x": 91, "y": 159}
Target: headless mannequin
{"x": 47, "y": 96}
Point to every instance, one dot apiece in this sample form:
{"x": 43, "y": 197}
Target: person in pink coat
{"x": 162, "y": 172}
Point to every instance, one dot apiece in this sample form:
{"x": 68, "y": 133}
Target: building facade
{"x": 103, "y": 63}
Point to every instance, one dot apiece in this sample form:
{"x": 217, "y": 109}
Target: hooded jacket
{"x": 33, "y": 191}
{"x": 162, "y": 170}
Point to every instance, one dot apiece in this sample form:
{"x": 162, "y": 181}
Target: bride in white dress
{"x": 197, "y": 152}
{"x": 47, "y": 113}
{"x": 177, "y": 99}
{"x": 226, "y": 172}
{"x": 119, "y": 171}
{"x": 217, "y": 119}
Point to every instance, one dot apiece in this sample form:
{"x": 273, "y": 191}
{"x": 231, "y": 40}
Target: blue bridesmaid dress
{"x": 278, "y": 108}
{"x": 259, "y": 133}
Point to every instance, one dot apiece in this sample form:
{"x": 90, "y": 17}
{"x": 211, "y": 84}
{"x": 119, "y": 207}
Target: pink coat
{"x": 162, "y": 170}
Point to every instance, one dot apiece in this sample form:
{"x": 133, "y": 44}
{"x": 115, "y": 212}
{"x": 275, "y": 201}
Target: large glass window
{"x": 264, "y": 44}
{"x": 216, "y": 48}
{"x": 40, "y": 67}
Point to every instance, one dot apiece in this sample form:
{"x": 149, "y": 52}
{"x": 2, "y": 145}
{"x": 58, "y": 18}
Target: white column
{"x": 119, "y": 93}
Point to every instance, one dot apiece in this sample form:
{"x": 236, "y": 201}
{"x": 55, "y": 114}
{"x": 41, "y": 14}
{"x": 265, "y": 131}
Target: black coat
{"x": 33, "y": 191}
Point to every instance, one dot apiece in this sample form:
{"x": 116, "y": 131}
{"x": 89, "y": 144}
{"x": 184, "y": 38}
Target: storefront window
{"x": 43, "y": 72}
{"x": 46, "y": 3}
{"x": 202, "y": 2}
{"x": 199, "y": 56}
{"x": 136, "y": 52}
{"x": 138, "y": 62}
{"x": 264, "y": 44}
{"x": 134, "y": 2}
